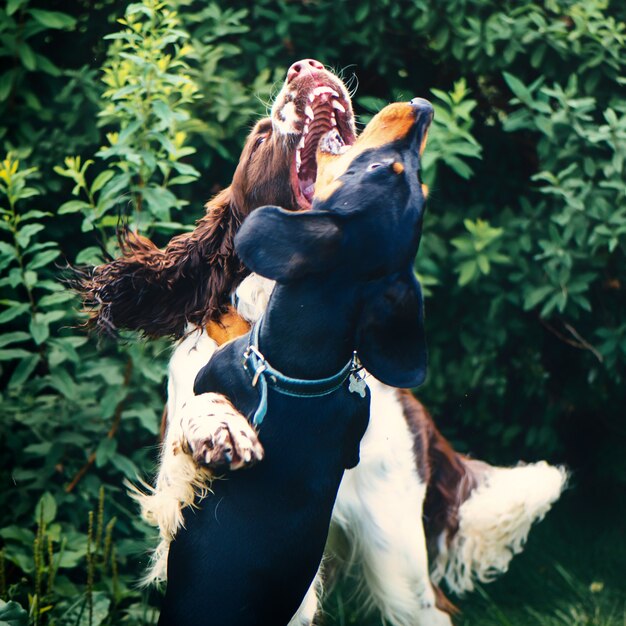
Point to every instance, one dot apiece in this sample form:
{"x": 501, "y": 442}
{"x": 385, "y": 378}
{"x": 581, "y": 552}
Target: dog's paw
{"x": 217, "y": 435}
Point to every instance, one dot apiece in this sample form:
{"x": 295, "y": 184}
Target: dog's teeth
{"x": 298, "y": 160}
{"x": 301, "y": 144}
{"x": 309, "y": 112}
{"x": 305, "y": 130}
{"x": 333, "y": 121}
{"x": 311, "y": 97}
{"x": 337, "y": 105}
{"x": 318, "y": 91}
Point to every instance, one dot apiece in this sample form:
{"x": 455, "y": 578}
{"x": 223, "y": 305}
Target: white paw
{"x": 217, "y": 435}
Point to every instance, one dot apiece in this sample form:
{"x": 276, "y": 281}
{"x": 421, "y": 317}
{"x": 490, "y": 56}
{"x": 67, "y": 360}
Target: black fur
{"x": 249, "y": 552}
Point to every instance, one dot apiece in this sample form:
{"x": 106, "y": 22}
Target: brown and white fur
{"x": 411, "y": 493}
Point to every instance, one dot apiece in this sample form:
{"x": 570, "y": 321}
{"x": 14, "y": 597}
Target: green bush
{"x": 523, "y": 255}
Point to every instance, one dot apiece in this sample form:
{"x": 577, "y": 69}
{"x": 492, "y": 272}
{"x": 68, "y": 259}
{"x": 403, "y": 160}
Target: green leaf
{"x": 27, "y": 56}
{"x": 439, "y": 41}
{"x": 91, "y": 255}
{"x": 35, "y": 215}
{"x": 101, "y": 180}
{"x": 12, "y": 312}
{"x": 63, "y": 382}
{"x": 13, "y": 353}
{"x": 53, "y": 19}
{"x": 39, "y": 328}
{"x": 39, "y": 449}
{"x": 15, "y": 337}
{"x": 24, "y": 235}
{"x": 42, "y": 258}
{"x": 105, "y": 451}
{"x": 23, "y": 370}
{"x": 147, "y": 417}
{"x": 361, "y": 13}
{"x": 19, "y": 534}
{"x": 55, "y": 298}
{"x": 483, "y": 263}
{"x": 78, "y": 614}
{"x": 518, "y": 88}
{"x": 126, "y": 466}
{"x": 73, "y": 206}
{"x": 534, "y": 297}
{"x": 12, "y": 614}
{"x": 44, "y": 64}
{"x": 46, "y": 508}
{"x": 160, "y": 200}
{"x": 8, "y": 251}
{"x": 6, "y": 85}
{"x": 467, "y": 272}
{"x": 14, "y": 5}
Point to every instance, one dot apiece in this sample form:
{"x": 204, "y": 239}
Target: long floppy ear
{"x": 390, "y": 336}
{"x": 287, "y": 245}
{"x": 158, "y": 291}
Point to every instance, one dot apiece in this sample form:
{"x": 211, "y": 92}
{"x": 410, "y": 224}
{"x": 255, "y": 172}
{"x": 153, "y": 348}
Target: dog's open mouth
{"x": 326, "y": 110}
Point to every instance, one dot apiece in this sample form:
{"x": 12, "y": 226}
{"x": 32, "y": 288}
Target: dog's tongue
{"x": 321, "y": 122}
{"x": 307, "y": 187}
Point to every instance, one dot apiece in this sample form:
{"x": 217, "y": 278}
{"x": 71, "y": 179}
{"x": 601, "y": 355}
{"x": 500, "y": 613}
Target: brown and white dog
{"x": 414, "y": 512}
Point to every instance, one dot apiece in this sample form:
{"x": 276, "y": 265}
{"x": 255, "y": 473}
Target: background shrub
{"x": 111, "y": 110}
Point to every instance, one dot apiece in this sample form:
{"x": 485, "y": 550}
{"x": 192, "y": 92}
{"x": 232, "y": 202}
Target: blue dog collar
{"x": 263, "y": 375}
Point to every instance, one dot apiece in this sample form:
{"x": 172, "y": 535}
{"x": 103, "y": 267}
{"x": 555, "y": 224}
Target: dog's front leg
{"x": 216, "y": 435}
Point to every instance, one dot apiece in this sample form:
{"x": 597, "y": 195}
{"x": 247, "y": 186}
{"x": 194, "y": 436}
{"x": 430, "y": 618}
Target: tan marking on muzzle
{"x": 398, "y": 168}
{"x": 391, "y": 124}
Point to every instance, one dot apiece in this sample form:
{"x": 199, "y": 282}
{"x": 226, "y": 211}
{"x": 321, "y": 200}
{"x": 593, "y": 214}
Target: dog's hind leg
{"x": 379, "y": 509}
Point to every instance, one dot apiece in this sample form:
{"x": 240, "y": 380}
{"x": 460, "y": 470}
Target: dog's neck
{"x": 308, "y": 330}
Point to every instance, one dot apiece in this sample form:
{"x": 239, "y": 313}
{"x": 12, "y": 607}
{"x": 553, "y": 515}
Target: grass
{"x": 572, "y": 573}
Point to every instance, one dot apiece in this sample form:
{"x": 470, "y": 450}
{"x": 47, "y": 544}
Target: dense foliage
{"x": 111, "y": 112}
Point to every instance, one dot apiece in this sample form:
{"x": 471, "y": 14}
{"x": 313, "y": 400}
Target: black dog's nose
{"x": 423, "y": 106}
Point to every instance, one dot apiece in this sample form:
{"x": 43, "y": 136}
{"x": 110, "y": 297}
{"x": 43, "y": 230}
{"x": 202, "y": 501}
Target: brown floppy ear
{"x": 287, "y": 245}
{"x": 390, "y": 336}
{"x": 158, "y": 291}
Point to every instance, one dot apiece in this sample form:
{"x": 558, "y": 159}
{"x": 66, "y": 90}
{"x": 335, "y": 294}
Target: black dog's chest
{"x": 250, "y": 549}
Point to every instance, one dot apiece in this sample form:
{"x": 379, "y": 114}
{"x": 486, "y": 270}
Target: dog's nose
{"x": 299, "y": 67}
{"x": 423, "y": 106}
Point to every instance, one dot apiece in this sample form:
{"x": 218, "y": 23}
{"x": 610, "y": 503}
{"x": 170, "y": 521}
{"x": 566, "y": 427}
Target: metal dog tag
{"x": 357, "y": 384}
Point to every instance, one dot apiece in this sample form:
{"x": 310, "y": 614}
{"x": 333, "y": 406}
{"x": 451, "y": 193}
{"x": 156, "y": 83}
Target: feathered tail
{"x": 494, "y": 521}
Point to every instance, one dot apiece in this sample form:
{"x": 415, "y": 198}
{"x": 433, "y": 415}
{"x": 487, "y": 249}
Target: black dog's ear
{"x": 391, "y": 342}
{"x": 285, "y": 245}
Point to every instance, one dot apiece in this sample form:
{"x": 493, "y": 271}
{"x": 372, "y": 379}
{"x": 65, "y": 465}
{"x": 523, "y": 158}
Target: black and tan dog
{"x": 346, "y": 295}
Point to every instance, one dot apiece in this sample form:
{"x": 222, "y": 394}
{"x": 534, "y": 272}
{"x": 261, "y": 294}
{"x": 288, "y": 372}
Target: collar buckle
{"x": 257, "y": 373}
{"x": 259, "y": 364}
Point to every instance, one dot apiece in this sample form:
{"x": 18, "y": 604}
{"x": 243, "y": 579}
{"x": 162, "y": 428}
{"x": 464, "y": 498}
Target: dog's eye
{"x": 258, "y": 142}
{"x": 373, "y": 166}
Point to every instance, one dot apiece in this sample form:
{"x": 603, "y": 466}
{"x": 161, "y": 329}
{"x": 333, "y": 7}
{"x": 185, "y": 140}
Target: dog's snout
{"x": 305, "y": 65}
{"x": 423, "y": 107}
